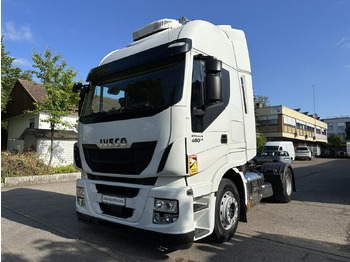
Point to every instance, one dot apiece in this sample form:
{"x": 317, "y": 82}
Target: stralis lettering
{"x": 113, "y": 142}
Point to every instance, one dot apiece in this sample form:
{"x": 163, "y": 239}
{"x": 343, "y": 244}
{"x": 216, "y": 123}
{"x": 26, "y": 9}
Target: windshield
{"x": 138, "y": 92}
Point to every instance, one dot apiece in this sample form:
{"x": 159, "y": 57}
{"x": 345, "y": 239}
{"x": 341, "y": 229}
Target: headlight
{"x": 80, "y": 196}
{"x": 80, "y": 192}
{"x": 165, "y": 211}
{"x": 166, "y": 206}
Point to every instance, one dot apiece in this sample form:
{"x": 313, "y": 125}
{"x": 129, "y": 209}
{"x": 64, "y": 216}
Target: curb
{"x": 32, "y": 180}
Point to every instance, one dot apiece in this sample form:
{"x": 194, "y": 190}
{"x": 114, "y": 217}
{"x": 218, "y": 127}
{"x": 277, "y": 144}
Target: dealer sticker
{"x": 193, "y": 164}
{"x": 113, "y": 200}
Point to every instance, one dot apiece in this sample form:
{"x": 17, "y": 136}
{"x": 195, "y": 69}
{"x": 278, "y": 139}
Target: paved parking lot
{"x": 39, "y": 224}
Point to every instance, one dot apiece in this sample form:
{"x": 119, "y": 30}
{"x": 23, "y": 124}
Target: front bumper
{"x": 139, "y": 209}
{"x": 178, "y": 241}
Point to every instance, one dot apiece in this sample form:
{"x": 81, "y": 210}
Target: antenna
{"x": 313, "y": 94}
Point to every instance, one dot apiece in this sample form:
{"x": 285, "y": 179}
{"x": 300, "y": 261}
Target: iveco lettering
{"x": 113, "y": 142}
{"x": 180, "y": 99}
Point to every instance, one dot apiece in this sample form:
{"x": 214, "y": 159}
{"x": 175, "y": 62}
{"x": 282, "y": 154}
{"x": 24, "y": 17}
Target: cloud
{"x": 22, "y": 33}
{"x": 344, "y": 43}
{"x": 22, "y": 63}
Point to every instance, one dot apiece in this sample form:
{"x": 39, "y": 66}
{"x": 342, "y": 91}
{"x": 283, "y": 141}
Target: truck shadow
{"x": 69, "y": 240}
{"x": 43, "y": 211}
{"x": 272, "y": 247}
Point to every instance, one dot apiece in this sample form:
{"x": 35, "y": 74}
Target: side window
{"x": 197, "y": 96}
{"x": 202, "y": 112}
{"x": 243, "y": 94}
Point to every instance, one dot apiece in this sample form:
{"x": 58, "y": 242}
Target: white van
{"x": 281, "y": 145}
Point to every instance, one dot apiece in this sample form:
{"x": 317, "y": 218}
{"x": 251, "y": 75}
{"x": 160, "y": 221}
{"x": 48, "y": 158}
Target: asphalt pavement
{"x": 38, "y": 223}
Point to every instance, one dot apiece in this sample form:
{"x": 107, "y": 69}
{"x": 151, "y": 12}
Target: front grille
{"x": 117, "y": 211}
{"x": 121, "y": 212}
{"x": 129, "y": 161}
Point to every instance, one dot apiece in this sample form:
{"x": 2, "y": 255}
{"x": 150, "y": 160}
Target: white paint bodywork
{"x": 173, "y": 126}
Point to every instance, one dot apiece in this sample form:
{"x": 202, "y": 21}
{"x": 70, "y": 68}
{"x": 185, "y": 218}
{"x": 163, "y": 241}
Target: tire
{"x": 287, "y": 188}
{"x": 227, "y": 211}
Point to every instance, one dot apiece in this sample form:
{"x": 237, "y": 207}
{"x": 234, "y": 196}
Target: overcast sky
{"x": 293, "y": 44}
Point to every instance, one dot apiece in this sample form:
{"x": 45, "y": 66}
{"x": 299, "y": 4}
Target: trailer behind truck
{"x": 166, "y": 136}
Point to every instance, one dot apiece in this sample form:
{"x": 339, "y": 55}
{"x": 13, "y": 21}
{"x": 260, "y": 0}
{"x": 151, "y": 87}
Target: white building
{"x": 337, "y": 125}
{"x": 29, "y": 131}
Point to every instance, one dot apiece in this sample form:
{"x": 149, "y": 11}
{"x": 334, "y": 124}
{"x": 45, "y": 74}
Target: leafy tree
{"x": 260, "y": 141}
{"x": 263, "y": 100}
{"x": 9, "y": 75}
{"x": 57, "y": 78}
{"x": 347, "y": 130}
{"x": 335, "y": 140}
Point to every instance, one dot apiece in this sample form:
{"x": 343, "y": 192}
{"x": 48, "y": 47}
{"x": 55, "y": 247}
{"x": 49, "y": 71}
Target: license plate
{"x": 113, "y": 200}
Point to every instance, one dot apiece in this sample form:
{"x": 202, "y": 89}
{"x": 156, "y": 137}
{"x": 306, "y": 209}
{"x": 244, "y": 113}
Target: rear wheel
{"x": 287, "y": 188}
{"x": 227, "y": 210}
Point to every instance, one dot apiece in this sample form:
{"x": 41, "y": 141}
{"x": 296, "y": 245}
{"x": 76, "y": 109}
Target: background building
{"x": 29, "y": 131}
{"x": 280, "y": 123}
{"x": 337, "y": 125}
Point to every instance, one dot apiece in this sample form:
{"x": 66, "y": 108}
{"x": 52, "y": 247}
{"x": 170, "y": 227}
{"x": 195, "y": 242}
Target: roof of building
{"x": 35, "y": 90}
{"x": 46, "y": 133}
{"x": 23, "y": 96}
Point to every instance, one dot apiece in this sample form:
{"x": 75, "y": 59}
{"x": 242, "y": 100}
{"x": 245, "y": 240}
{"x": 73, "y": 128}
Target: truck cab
{"x": 166, "y": 132}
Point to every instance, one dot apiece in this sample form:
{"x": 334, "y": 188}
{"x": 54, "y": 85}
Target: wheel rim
{"x": 228, "y": 210}
{"x": 289, "y": 185}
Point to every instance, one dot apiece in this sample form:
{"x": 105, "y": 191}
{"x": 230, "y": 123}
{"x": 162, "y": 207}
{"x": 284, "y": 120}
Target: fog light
{"x": 159, "y": 218}
{"x": 80, "y": 192}
{"x": 168, "y": 218}
{"x": 80, "y": 196}
{"x": 81, "y": 202}
{"x": 156, "y": 218}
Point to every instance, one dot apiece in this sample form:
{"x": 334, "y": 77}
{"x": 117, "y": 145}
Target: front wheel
{"x": 227, "y": 210}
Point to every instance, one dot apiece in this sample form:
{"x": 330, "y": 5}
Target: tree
{"x": 260, "y": 141}
{"x": 335, "y": 140}
{"x": 9, "y": 75}
{"x": 263, "y": 100}
{"x": 57, "y": 78}
{"x": 347, "y": 130}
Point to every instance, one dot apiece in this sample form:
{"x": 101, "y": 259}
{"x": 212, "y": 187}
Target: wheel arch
{"x": 237, "y": 177}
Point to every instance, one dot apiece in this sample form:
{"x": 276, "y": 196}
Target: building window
{"x": 330, "y": 126}
{"x": 287, "y": 120}
{"x": 271, "y": 120}
{"x": 31, "y": 123}
{"x": 341, "y": 126}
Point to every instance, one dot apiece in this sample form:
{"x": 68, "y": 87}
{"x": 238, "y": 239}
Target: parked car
{"x": 303, "y": 152}
{"x": 281, "y": 146}
{"x": 342, "y": 154}
{"x": 273, "y": 156}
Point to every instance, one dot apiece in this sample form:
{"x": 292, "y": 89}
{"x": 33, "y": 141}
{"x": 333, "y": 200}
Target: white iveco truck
{"x": 167, "y": 132}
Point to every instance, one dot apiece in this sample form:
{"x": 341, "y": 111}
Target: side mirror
{"x": 213, "y": 69}
{"x": 77, "y": 87}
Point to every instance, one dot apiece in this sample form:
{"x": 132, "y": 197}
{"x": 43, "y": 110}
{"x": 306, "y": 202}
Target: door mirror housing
{"x": 77, "y": 87}
{"x": 213, "y": 69}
